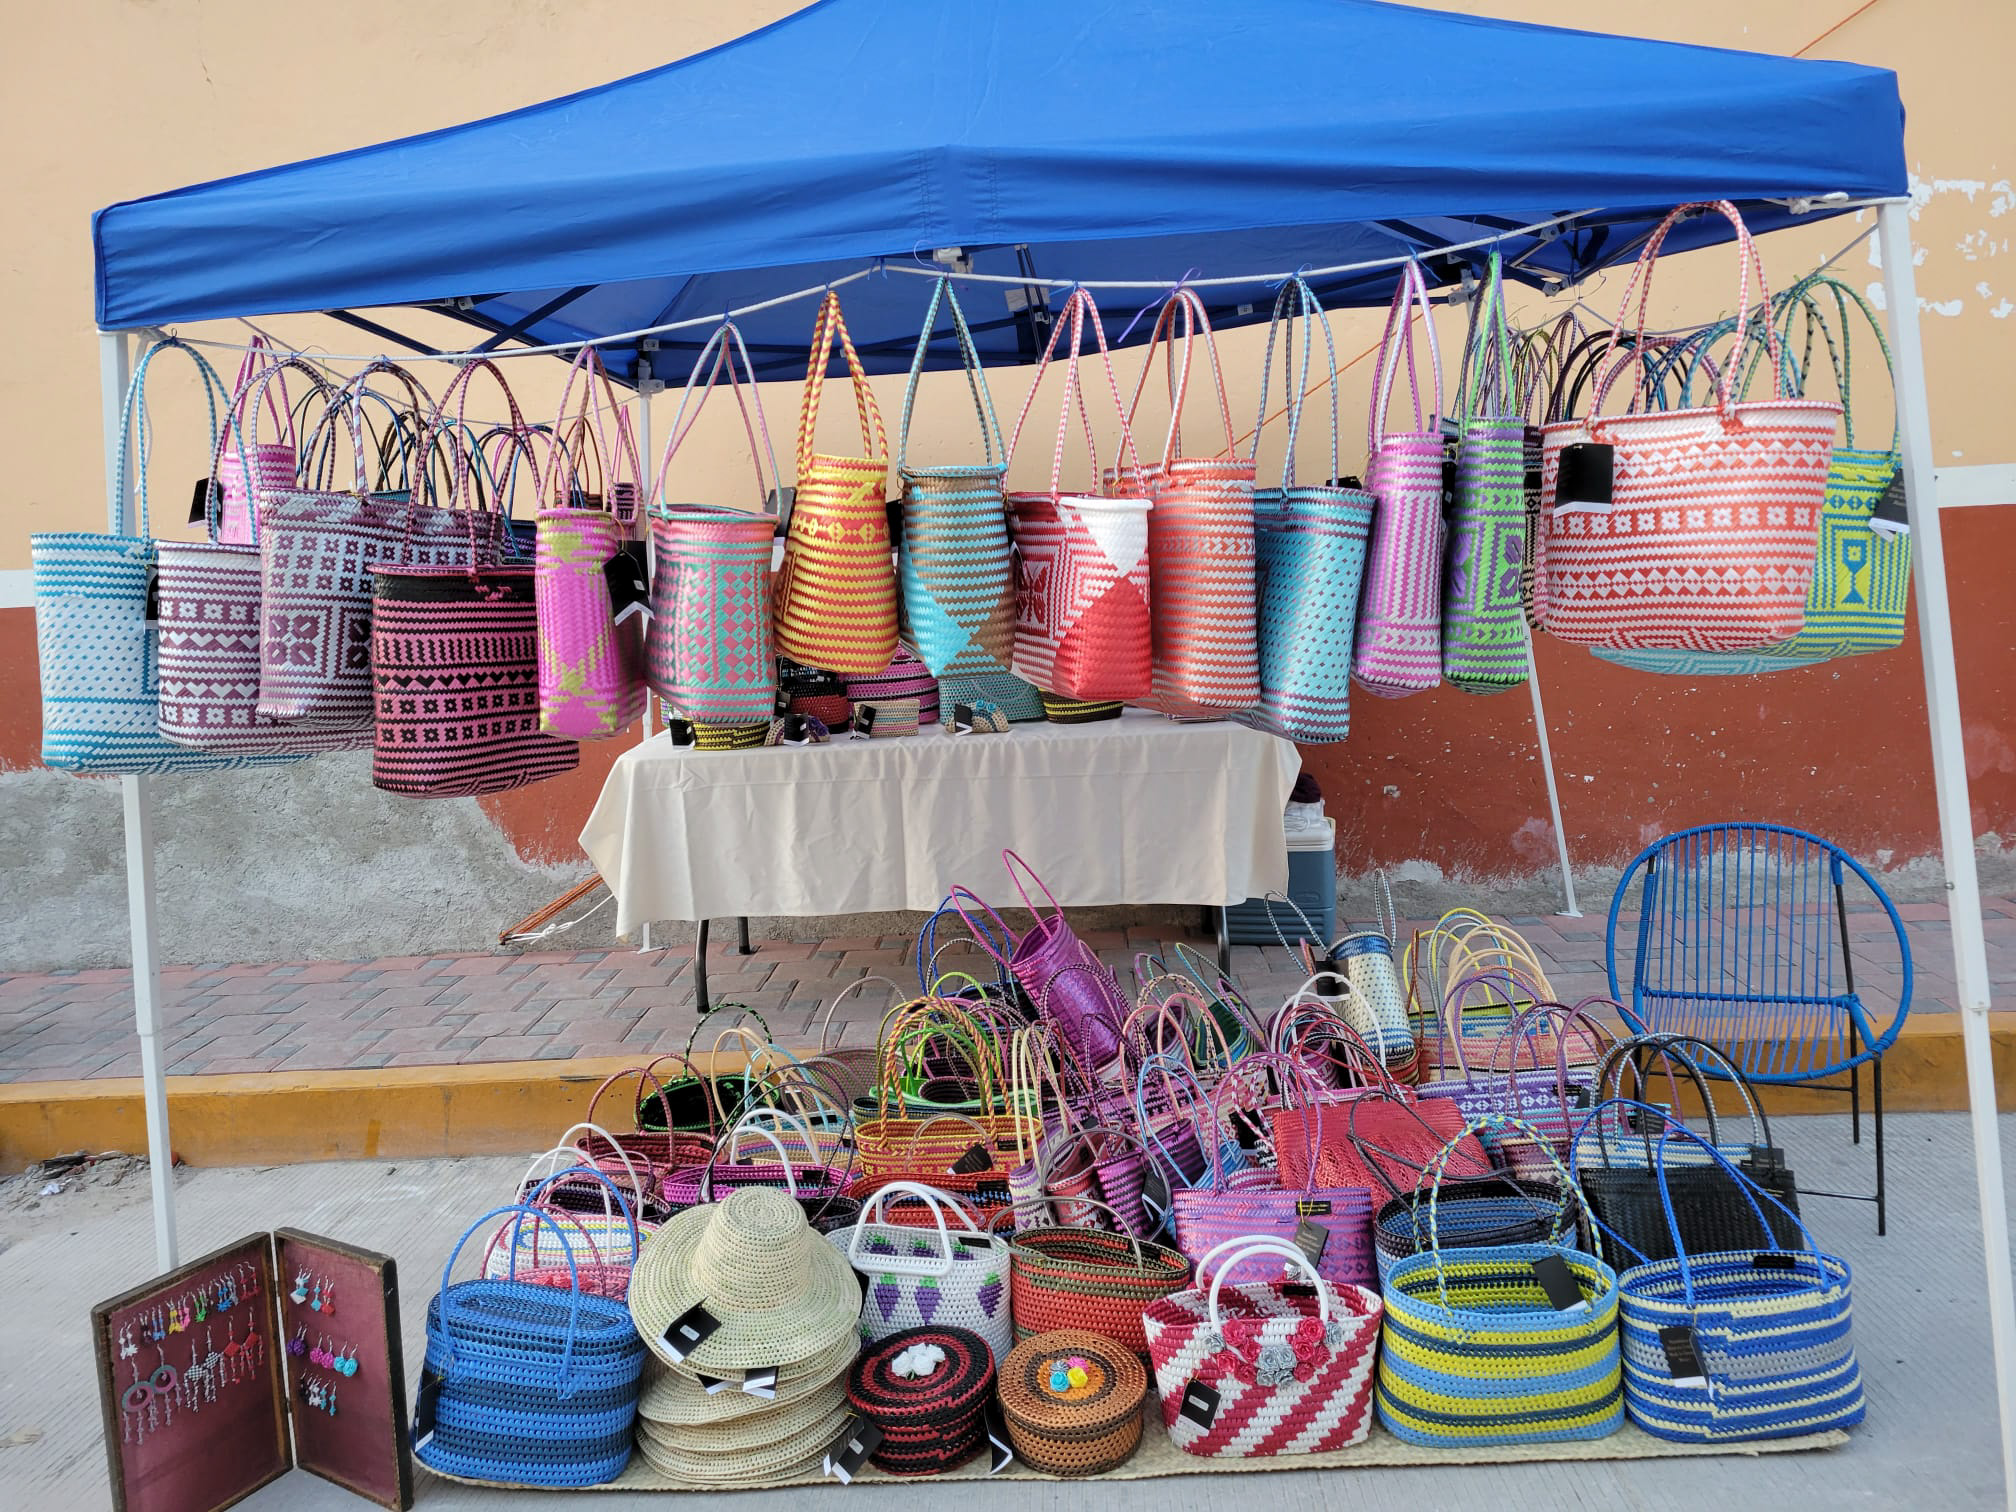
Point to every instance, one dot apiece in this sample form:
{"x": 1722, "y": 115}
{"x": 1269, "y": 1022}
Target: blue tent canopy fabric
{"x": 1052, "y": 139}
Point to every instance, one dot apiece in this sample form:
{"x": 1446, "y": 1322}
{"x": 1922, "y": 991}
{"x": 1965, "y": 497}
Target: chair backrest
{"x": 1743, "y": 939}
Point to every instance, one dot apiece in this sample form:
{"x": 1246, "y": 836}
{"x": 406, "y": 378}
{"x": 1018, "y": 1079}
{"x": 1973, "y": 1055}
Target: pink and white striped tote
{"x": 1709, "y": 539}
{"x": 1399, "y": 643}
{"x": 1200, "y": 543}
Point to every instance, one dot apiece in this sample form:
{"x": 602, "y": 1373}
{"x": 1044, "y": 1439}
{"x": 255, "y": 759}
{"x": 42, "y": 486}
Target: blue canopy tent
{"x": 1057, "y": 139}
{"x": 1051, "y": 140}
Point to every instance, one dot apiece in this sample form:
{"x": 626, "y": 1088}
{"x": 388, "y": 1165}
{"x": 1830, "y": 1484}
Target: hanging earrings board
{"x": 196, "y": 1383}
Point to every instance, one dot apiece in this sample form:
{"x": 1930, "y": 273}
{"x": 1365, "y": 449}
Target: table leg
{"x": 742, "y": 945}
{"x": 1224, "y": 945}
{"x": 700, "y": 1002}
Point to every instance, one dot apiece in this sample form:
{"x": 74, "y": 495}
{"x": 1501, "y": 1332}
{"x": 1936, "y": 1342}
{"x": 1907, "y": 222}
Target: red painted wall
{"x": 1456, "y": 779}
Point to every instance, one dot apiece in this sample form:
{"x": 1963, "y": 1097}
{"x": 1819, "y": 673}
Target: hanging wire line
{"x": 883, "y": 267}
{"x": 1867, "y": 5}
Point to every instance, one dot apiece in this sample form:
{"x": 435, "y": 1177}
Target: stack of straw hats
{"x": 782, "y": 1301}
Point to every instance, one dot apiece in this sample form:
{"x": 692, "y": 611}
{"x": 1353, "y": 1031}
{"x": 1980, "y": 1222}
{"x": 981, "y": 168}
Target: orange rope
{"x": 1866, "y": 5}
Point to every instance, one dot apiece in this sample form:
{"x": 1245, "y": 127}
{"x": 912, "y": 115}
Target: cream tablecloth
{"x": 1133, "y": 810}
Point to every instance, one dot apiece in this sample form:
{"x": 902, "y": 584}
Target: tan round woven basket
{"x": 1081, "y": 1429}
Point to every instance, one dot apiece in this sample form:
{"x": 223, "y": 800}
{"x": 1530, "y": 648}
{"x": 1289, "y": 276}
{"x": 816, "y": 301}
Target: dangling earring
{"x": 298, "y": 1345}
{"x": 332, "y": 1399}
{"x": 316, "y": 1301}
{"x": 349, "y": 1362}
{"x": 300, "y": 1292}
{"x": 127, "y": 1348}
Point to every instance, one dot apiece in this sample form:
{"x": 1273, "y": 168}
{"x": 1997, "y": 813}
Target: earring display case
{"x": 279, "y": 1352}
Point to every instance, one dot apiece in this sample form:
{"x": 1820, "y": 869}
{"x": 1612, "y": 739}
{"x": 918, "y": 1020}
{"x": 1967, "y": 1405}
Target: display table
{"x": 1133, "y": 810}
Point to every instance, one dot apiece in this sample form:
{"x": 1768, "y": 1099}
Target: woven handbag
{"x": 1200, "y": 541}
{"x": 1771, "y": 1355}
{"x": 1861, "y": 576}
{"x": 1474, "y": 1350}
{"x": 1631, "y": 1203}
{"x": 916, "y": 1277}
{"x": 1083, "y": 628}
{"x": 836, "y": 596}
{"x": 1483, "y": 604}
{"x": 1310, "y": 541}
{"x": 1378, "y": 1137}
{"x": 652, "y": 1152}
{"x": 591, "y": 668}
{"x": 318, "y": 551}
{"x": 1481, "y": 1214}
{"x": 1059, "y": 972}
{"x": 1060, "y": 710}
{"x": 906, "y": 677}
{"x": 1229, "y": 1207}
{"x": 601, "y": 1260}
{"x": 1073, "y": 1402}
{"x": 1708, "y": 541}
{"x": 1018, "y": 701}
{"x": 1399, "y": 645}
{"x": 714, "y": 1178}
{"x": 455, "y": 670}
{"x": 530, "y": 1385}
{"x": 708, "y": 650}
{"x": 1285, "y": 1367}
{"x": 250, "y": 467}
{"x": 952, "y": 561}
{"x": 208, "y": 596}
{"x": 1068, "y": 1277}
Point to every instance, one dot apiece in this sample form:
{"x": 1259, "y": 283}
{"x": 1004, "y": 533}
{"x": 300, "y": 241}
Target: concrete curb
{"x": 505, "y": 1107}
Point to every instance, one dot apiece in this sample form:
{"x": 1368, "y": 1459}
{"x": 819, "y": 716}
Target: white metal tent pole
{"x": 641, "y": 426}
{"x": 115, "y": 362}
{"x": 1956, "y": 820}
{"x": 1569, "y": 909}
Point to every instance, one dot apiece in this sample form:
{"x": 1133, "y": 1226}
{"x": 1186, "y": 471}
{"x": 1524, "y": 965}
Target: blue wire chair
{"x": 1736, "y": 946}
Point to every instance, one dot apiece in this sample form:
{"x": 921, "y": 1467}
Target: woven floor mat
{"x": 1158, "y": 1457}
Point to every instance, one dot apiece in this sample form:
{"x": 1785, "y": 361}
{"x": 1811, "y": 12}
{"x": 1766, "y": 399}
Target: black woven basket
{"x": 930, "y": 1423}
{"x": 1709, "y": 1207}
{"x": 1473, "y": 1214}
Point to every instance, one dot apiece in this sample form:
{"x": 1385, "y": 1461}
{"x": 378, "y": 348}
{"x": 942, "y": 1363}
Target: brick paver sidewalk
{"x": 559, "y": 1005}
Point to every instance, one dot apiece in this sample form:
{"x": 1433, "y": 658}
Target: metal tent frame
{"x": 1948, "y": 763}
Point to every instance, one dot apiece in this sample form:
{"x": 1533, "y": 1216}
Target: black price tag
{"x": 152, "y": 613}
{"x": 1298, "y": 1289}
{"x": 1774, "y": 1260}
{"x": 1587, "y": 479}
{"x": 425, "y": 1408}
{"x": 1448, "y": 485}
{"x": 683, "y": 733}
{"x": 1683, "y": 1356}
{"x": 199, "y": 503}
{"x": 1891, "y": 516}
{"x": 715, "y": 1385}
{"x": 975, "y": 1241}
{"x": 1765, "y": 1160}
{"x": 1155, "y": 1195}
{"x": 629, "y": 580}
{"x": 1200, "y": 1404}
{"x": 1555, "y": 1279}
{"x": 795, "y": 731}
{"x": 1349, "y": 480}
{"x": 761, "y": 1382}
{"x": 1000, "y": 1448}
{"x": 864, "y": 721}
{"x": 1311, "y": 1238}
{"x": 973, "y": 1161}
{"x": 850, "y": 1451}
{"x": 689, "y": 1331}
{"x": 780, "y": 502}
{"x": 962, "y": 719}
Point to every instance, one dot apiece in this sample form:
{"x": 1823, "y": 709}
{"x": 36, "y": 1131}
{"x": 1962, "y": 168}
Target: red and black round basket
{"x": 927, "y": 1389}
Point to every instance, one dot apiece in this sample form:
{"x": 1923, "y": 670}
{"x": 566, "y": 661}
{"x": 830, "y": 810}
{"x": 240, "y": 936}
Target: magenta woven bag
{"x": 317, "y": 551}
{"x": 906, "y": 676}
{"x": 207, "y": 647}
{"x": 250, "y": 468}
{"x": 1399, "y": 644}
{"x": 1253, "y": 1202}
{"x": 709, "y": 650}
{"x": 591, "y": 669}
{"x": 1082, "y": 620}
{"x": 455, "y": 674}
{"x": 1062, "y": 975}
{"x": 1200, "y": 544}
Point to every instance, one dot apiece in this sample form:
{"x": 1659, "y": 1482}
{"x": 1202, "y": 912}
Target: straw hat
{"x": 780, "y": 1295}
{"x": 750, "y": 1451}
{"x": 676, "y": 1400}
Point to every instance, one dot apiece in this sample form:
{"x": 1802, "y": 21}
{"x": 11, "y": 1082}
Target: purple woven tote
{"x": 1233, "y": 1205}
{"x": 709, "y": 651}
{"x": 208, "y": 646}
{"x": 272, "y": 463}
{"x": 317, "y": 551}
{"x": 1068, "y": 983}
{"x": 591, "y": 669}
{"x": 455, "y": 672}
{"x": 1399, "y": 644}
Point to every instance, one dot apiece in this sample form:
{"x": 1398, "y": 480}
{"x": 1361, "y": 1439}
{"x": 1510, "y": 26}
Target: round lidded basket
{"x": 933, "y": 1419}
{"x": 1066, "y": 1426}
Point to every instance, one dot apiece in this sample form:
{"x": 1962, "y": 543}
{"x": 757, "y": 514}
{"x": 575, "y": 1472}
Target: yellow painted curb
{"x": 508, "y": 1107}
